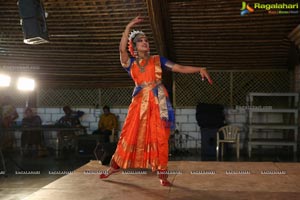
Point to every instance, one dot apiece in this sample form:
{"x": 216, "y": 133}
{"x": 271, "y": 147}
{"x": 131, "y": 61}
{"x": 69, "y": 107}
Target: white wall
{"x": 185, "y": 122}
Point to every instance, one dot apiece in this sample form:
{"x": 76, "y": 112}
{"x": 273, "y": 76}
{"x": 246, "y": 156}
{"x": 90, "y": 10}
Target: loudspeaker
{"x": 33, "y": 21}
{"x": 34, "y": 30}
{"x": 209, "y": 144}
{"x": 29, "y": 8}
{"x": 210, "y": 115}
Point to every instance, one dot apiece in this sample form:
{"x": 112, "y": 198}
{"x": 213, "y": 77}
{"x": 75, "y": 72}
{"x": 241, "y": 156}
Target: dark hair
{"x": 135, "y": 37}
{"x": 28, "y": 109}
{"x": 106, "y": 107}
{"x": 66, "y": 108}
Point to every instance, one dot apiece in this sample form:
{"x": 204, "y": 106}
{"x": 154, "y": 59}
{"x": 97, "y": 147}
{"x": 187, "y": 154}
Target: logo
{"x": 270, "y": 8}
{"x": 246, "y": 8}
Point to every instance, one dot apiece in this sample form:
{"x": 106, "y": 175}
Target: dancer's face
{"x": 142, "y": 44}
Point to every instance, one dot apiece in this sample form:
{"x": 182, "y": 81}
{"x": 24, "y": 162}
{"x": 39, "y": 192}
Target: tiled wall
{"x": 185, "y": 122}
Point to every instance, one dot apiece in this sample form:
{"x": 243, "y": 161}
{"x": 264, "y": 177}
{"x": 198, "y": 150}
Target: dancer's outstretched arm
{"x": 124, "y": 57}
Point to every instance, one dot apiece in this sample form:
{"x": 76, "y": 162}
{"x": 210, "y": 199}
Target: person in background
{"x": 8, "y": 116}
{"x": 107, "y": 123}
{"x": 71, "y": 119}
{"x": 31, "y": 138}
{"x": 8, "y": 112}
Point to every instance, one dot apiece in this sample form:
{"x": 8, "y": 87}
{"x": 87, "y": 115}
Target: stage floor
{"x": 190, "y": 179}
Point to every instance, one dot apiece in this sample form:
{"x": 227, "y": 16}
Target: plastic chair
{"x": 228, "y": 134}
{"x": 114, "y": 137}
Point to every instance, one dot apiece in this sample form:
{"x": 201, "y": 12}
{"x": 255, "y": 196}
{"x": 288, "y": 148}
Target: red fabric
{"x": 144, "y": 138}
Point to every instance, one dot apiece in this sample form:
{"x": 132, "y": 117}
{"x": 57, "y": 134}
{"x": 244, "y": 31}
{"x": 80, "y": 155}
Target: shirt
{"x": 108, "y": 122}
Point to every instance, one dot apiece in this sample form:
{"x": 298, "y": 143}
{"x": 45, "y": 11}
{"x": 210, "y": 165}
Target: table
{"x": 81, "y": 130}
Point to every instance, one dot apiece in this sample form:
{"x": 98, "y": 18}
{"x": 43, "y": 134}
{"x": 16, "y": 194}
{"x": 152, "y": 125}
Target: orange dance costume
{"x": 144, "y": 137}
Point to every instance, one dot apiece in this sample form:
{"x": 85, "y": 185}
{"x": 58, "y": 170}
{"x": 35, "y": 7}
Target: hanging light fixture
{"x": 26, "y": 84}
{"x": 4, "y": 80}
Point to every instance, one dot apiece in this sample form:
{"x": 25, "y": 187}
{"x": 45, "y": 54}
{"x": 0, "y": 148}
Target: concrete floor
{"x": 190, "y": 179}
{"x": 18, "y": 186}
{"x": 84, "y": 183}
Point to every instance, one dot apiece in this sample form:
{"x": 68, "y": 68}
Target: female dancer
{"x": 144, "y": 137}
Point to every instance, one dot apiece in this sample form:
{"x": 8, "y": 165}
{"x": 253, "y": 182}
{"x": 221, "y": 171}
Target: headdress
{"x": 134, "y": 33}
{"x": 132, "y": 40}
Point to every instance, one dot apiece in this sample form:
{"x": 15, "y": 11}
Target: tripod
{"x": 178, "y": 143}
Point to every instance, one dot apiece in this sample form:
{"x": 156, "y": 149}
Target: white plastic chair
{"x": 230, "y": 134}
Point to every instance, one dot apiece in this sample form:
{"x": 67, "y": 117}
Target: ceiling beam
{"x": 157, "y": 12}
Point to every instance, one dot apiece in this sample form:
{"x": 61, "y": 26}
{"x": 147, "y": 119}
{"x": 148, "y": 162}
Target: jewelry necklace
{"x": 142, "y": 68}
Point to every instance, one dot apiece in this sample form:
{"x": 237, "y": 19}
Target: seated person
{"x": 31, "y": 138}
{"x": 70, "y": 119}
{"x": 106, "y": 124}
{"x": 8, "y": 116}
